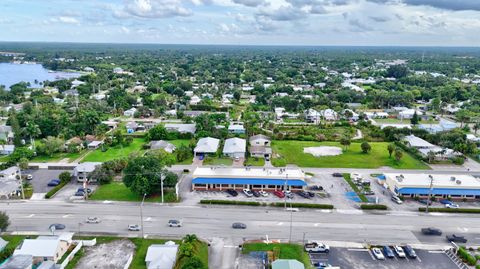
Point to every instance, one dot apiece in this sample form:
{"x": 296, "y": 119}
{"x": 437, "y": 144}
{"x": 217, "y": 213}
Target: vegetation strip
{"x": 275, "y": 204}
{"x": 451, "y": 210}
{"x": 348, "y": 179}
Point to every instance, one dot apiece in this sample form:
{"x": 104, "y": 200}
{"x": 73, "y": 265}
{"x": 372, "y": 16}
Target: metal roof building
{"x": 212, "y": 178}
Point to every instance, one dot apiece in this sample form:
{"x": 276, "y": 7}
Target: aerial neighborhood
{"x": 172, "y": 152}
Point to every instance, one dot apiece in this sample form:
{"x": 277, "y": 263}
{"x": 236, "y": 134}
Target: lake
{"x": 11, "y": 73}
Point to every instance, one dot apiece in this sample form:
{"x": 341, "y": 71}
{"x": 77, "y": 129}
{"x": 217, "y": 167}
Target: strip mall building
{"x": 455, "y": 187}
{"x": 267, "y": 179}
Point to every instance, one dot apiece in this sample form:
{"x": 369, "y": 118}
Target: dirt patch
{"x": 323, "y": 151}
{"x": 112, "y": 255}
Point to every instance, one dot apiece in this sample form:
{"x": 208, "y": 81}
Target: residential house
{"x": 83, "y": 170}
{"x": 182, "y": 128}
{"x": 442, "y": 126}
{"x": 329, "y": 114}
{"x": 94, "y": 144}
{"x": 260, "y": 146}
{"x": 260, "y": 140}
{"x": 45, "y": 248}
{"x": 6, "y": 133}
{"x": 408, "y": 113}
{"x": 133, "y": 127}
{"x": 206, "y": 145}
{"x": 76, "y": 83}
{"x": 376, "y": 115}
{"x": 235, "y": 147}
{"x": 194, "y": 100}
{"x": 12, "y": 172}
{"x": 161, "y": 256}
{"x": 112, "y": 125}
{"x": 130, "y": 112}
{"x": 312, "y": 116}
{"x": 351, "y": 115}
{"x": 7, "y": 149}
{"x": 236, "y": 128}
{"x": 162, "y": 144}
{"x": 18, "y": 262}
{"x": 281, "y": 113}
{"x": 72, "y": 92}
{"x": 287, "y": 264}
{"x": 424, "y": 148}
{"x": 118, "y": 70}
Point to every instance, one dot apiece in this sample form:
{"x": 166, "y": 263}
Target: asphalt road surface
{"x": 214, "y": 222}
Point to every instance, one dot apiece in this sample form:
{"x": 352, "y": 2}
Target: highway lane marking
{"x": 462, "y": 229}
{"x": 107, "y": 202}
{"x": 280, "y": 223}
{"x": 230, "y": 246}
{"x": 419, "y": 260}
{"x": 435, "y": 251}
{"x": 148, "y": 219}
{"x": 31, "y": 216}
{"x": 316, "y": 224}
{"x": 66, "y": 216}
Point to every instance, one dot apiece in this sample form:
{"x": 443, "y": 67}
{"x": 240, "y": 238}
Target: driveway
{"x": 41, "y": 177}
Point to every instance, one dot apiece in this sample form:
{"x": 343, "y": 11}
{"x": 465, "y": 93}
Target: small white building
{"x": 45, "y": 248}
{"x": 161, "y": 256}
{"x": 206, "y": 145}
{"x": 162, "y": 144}
{"x": 182, "y": 128}
{"x": 408, "y": 114}
{"x": 83, "y": 170}
{"x": 329, "y": 114}
{"x": 235, "y": 147}
{"x": 7, "y": 149}
{"x": 194, "y": 100}
{"x": 130, "y": 112}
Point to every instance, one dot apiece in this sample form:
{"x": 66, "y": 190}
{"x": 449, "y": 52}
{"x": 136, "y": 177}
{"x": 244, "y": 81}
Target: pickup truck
{"x": 316, "y": 247}
{"x": 456, "y": 238}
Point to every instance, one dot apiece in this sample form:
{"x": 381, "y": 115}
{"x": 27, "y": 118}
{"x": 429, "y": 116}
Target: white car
{"x": 452, "y": 206}
{"x": 174, "y": 223}
{"x": 377, "y": 253}
{"x": 397, "y": 200}
{"x": 134, "y": 227}
{"x": 248, "y": 192}
{"x": 399, "y": 251}
{"x": 263, "y": 193}
{"x": 93, "y": 220}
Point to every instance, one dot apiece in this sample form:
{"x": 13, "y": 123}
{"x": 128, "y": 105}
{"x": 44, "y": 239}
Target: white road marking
{"x": 31, "y": 216}
{"x": 371, "y": 255}
{"x": 435, "y": 251}
{"x": 107, "y": 202}
{"x": 230, "y": 246}
{"x": 463, "y": 229}
{"x": 280, "y": 223}
{"x": 148, "y": 219}
{"x": 66, "y": 216}
{"x": 358, "y": 249}
{"x": 316, "y": 224}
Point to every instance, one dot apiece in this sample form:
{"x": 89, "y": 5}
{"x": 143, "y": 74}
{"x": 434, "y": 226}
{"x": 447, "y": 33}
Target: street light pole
{"x": 141, "y": 213}
{"x": 285, "y": 191}
{"x": 429, "y": 192}
{"x": 21, "y": 181}
{"x": 162, "y": 177}
{"x": 291, "y": 223}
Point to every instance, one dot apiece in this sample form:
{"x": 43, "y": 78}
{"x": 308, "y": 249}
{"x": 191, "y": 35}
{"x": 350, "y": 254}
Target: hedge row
{"x": 466, "y": 256}
{"x": 276, "y": 204}
{"x": 373, "y": 207}
{"x": 348, "y": 179}
{"x": 55, "y": 189}
{"x": 451, "y": 210}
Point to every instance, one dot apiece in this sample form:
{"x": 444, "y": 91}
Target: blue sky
{"x": 253, "y": 22}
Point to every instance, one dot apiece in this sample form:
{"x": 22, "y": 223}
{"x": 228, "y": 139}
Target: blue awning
{"x": 251, "y": 181}
{"x": 439, "y": 191}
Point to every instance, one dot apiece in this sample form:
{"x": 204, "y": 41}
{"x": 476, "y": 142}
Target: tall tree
{"x": 398, "y": 154}
{"x": 32, "y": 130}
{"x": 390, "y": 148}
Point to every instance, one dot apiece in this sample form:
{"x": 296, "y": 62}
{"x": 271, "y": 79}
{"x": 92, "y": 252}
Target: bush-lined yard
{"x": 116, "y": 152}
{"x": 117, "y": 191}
{"x": 291, "y": 152}
{"x": 284, "y": 251}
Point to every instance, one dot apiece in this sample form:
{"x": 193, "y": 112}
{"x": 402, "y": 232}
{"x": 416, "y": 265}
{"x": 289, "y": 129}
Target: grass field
{"x": 115, "y": 152}
{"x": 286, "y": 251}
{"x": 291, "y": 152}
{"x": 255, "y": 161}
{"x": 57, "y": 157}
{"x": 178, "y": 142}
{"x": 218, "y": 161}
{"x": 117, "y": 191}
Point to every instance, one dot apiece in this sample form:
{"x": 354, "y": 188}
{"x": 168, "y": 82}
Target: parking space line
{"x": 371, "y": 255}
{"x": 418, "y": 258}
{"x": 357, "y": 249}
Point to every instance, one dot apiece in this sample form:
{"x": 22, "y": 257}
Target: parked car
{"x": 134, "y": 227}
{"x": 79, "y": 193}
{"x": 93, "y": 220}
{"x": 431, "y": 231}
{"x": 289, "y": 194}
{"x": 388, "y": 252}
{"x": 316, "y": 247}
{"x": 368, "y": 192}
{"x": 267, "y": 159}
{"x": 279, "y": 194}
{"x": 452, "y": 205}
{"x": 316, "y": 188}
{"x": 53, "y": 183}
{"x": 425, "y": 201}
{"x": 28, "y": 177}
{"x": 445, "y": 202}
{"x": 247, "y": 192}
{"x": 410, "y": 252}
{"x": 256, "y": 193}
{"x": 377, "y": 253}
{"x": 399, "y": 251}
{"x": 337, "y": 174}
{"x": 239, "y": 225}
{"x": 311, "y": 194}
{"x": 303, "y": 194}
{"x": 397, "y": 200}
{"x": 87, "y": 190}
{"x": 456, "y": 238}
{"x": 232, "y": 192}
{"x": 58, "y": 226}
{"x": 174, "y": 223}
{"x": 263, "y": 193}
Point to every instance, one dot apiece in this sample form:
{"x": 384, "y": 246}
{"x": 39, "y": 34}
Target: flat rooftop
{"x": 265, "y": 173}
{"x": 439, "y": 181}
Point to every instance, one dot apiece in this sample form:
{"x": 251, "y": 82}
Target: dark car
{"x": 239, "y": 225}
{"x": 316, "y": 188}
{"x": 57, "y": 226}
{"x": 232, "y": 192}
{"x": 256, "y": 193}
{"x": 431, "y": 231}
{"x": 53, "y": 183}
{"x": 79, "y": 193}
{"x": 87, "y": 190}
{"x": 311, "y": 194}
{"x": 456, "y": 238}
{"x": 388, "y": 252}
{"x": 410, "y": 252}
{"x": 425, "y": 202}
{"x": 337, "y": 174}
{"x": 303, "y": 194}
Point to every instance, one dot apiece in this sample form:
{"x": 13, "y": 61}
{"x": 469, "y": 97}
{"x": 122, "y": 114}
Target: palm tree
{"x": 32, "y": 130}
{"x": 190, "y": 238}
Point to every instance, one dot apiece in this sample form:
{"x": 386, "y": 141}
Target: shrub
{"x": 466, "y": 256}
{"x": 373, "y": 207}
{"x": 55, "y": 189}
{"x": 303, "y": 205}
{"x": 65, "y": 176}
{"x": 458, "y": 160}
{"x": 451, "y": 210}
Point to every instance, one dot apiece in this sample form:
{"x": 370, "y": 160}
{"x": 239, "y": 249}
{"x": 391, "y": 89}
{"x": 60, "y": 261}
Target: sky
{"x": 244, "y": 22}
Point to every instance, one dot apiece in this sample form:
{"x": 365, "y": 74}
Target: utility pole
{"x": 21, "y": 181}
{"x": 141, "y": 213}
{"x": 162, "y": 178}
{"x": 291, "y": 223}
{"x": 285, "y": 191}
{"x": 429, "y": 192}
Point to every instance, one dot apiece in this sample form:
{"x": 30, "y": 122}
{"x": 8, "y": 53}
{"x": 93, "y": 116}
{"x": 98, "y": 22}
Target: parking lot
{"x": 346, "y": 258}
{"x": 41, "y": 177}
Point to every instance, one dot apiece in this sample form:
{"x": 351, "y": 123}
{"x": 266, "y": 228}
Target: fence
{"x": 129, "y": 261}
{"x": 71, "y": 255}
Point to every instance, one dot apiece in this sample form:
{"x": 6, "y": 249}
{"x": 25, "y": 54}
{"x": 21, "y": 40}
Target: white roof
{"x": 87, "y": 166}
{"x": 182, "y": 127}
{"x": 233, "y": 145}
{"x": 40, "y": 247}
{"x": 207, "y": 144}
{"x": 95, "y": 143}
{"x": 439, "y": 180}
{"x": 232, "y": 127}
{"x": 417, "y": 142}
{"x": 229, "y": 172}
{"x": 161, "y": 256}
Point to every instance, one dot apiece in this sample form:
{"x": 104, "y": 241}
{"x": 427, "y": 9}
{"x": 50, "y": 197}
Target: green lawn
{"x": 117, "y": 191}
{"x": 291, "y": 152}
{"x": 405, "y": 121}
{"x": 255, "y": 161}
{"x": 116, "y": 152}
{"x": 57, "y": 157}
{"x": 178, "y": 142}
{"x": 218, "y": 161}
{"x": 286, "y": 251}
